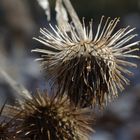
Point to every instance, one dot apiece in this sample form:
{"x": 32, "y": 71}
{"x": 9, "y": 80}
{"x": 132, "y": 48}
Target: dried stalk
{"x": 20, "y": 89}
{"x": 75, "y": 18}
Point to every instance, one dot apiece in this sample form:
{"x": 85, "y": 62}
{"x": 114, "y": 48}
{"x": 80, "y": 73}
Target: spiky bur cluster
{"x": 6, "y": 126}
{"x": 91, "y": 70}
{"x": 47, "y": 118}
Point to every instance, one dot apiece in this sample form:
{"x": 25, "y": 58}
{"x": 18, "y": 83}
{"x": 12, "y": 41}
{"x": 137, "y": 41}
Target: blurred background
{"x": 20, "y": 20}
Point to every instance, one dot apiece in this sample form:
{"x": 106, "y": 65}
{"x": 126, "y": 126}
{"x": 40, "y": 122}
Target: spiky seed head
{"x": 47, "y": 118}
{"x": 90, "y": 70}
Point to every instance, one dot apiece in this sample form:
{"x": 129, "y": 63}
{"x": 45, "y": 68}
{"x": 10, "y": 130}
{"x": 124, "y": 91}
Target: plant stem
{"x": 20, "y": 89}
{"x": 75, "y": 18}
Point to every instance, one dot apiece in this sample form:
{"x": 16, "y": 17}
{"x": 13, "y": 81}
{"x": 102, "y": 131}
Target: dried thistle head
{"x": 6, "y": 126}
{"x": 90, "y": 70}
{"x": 45, "y": 118}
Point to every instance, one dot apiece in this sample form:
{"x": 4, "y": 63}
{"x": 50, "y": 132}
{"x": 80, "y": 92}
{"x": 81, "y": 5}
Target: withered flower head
{"x": 90, "y": 70}
{"x": 46, "y": 118}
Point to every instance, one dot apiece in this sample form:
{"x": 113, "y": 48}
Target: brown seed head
{"x": 92, "y": 70}
{"x": 45, "y": 118}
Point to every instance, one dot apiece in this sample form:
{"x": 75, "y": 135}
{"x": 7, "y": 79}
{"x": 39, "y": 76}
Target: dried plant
{"x": 92, "y": 69}
{"x": 47, "y": 118}
{"x": 87, "y": 68}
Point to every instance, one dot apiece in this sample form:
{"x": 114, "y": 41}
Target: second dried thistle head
{"x": 51, "y": 118}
